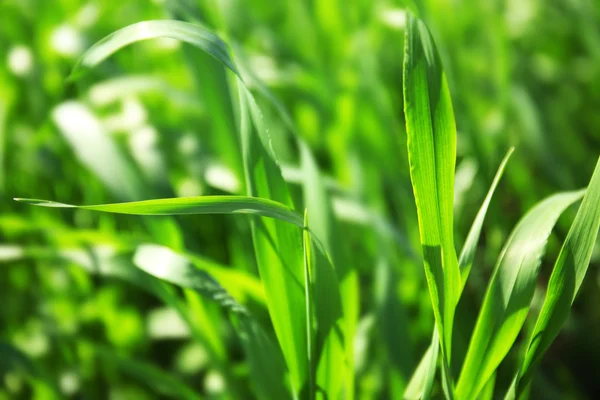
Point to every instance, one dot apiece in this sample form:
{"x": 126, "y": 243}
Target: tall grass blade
{"x": 432, "y": 150}
{"x": 278, "y": 246}
{"x": 467, "y": 254}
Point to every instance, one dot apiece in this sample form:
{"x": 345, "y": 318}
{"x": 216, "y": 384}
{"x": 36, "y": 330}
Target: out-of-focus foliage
{"x": 82, "y": 311}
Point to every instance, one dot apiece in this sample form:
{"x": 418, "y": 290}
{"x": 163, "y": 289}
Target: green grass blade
{"x": 432, "y": 150}
{"x": 190, "y": 205}
{"x": 467, "y": 254}
{"x": 509, "y": 293}
{"x": 333, "y": 312}
{"x": 568, "y": 273}
{"x": 183, "y": 31}
{"x": 310, "y": 336}
{"x": 278, "y": 246}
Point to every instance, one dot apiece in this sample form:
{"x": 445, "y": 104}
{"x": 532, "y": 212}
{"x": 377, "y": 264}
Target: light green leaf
{"x": 310, "y": 333}
{"x": 565, "y": 281}
{"x": 509, "y": 293}
{"x": 333, "y": 312}
{"x": 465, "y": 261}
{"x": 278, "y": 246}
{"x": 190, "y": 205}
{"x": 183, "y": 31}
{"x": 432, "y": 150}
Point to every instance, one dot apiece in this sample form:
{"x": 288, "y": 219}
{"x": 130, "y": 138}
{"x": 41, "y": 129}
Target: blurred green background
{"x": 78, "y": 320}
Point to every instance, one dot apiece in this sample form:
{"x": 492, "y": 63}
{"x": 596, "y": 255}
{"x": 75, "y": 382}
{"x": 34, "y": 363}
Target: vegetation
{"x": 299, "y": 200}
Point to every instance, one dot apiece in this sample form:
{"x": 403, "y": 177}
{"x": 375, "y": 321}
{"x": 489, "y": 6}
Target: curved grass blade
{"x": 467, "y": 254}
{"x": 190, "y": 205}
{"x": 509, "y": 293}
{"x": 145, "y": 30}
{"x": 431, "y": 134}
{"x": 565, "y": 281}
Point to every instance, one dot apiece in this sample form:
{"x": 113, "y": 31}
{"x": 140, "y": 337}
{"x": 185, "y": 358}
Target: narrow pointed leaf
{"x": 467, "y": 255}
{"x": 190, "y": 205}
{"x": 509, "y": 293}
{"x": 565, "y": 281}
{"x": 190, "y": 33}
{"x": 431, "y": 134}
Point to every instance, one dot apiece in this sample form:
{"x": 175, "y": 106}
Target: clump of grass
{"x": 308, "y": 283}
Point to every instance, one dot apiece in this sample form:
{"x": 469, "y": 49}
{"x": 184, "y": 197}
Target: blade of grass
{"x": 190, "y": 33}
{"x": 467, "y": 254}
{"x": 568, "y": 273}
{"x": 333, "y": 312}
{"x": 190, "y": 205}
{"x": 309, "y": 309}
{"x": 509, "y": 293}
{"x": 432, "y": 150}
{"x": 278, "y": 247}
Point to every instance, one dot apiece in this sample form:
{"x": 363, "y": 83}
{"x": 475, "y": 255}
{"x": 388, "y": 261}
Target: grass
{"x": 293, "y": 229}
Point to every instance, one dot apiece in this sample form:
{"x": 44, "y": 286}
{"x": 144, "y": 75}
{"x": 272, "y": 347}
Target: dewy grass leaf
{"x": 565, "y": 281}
{"x": 432, "y": 150}
{"x": 509, "y": 293}
{"x": 190, "y": 205}
{"x": 421, "y": 382}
